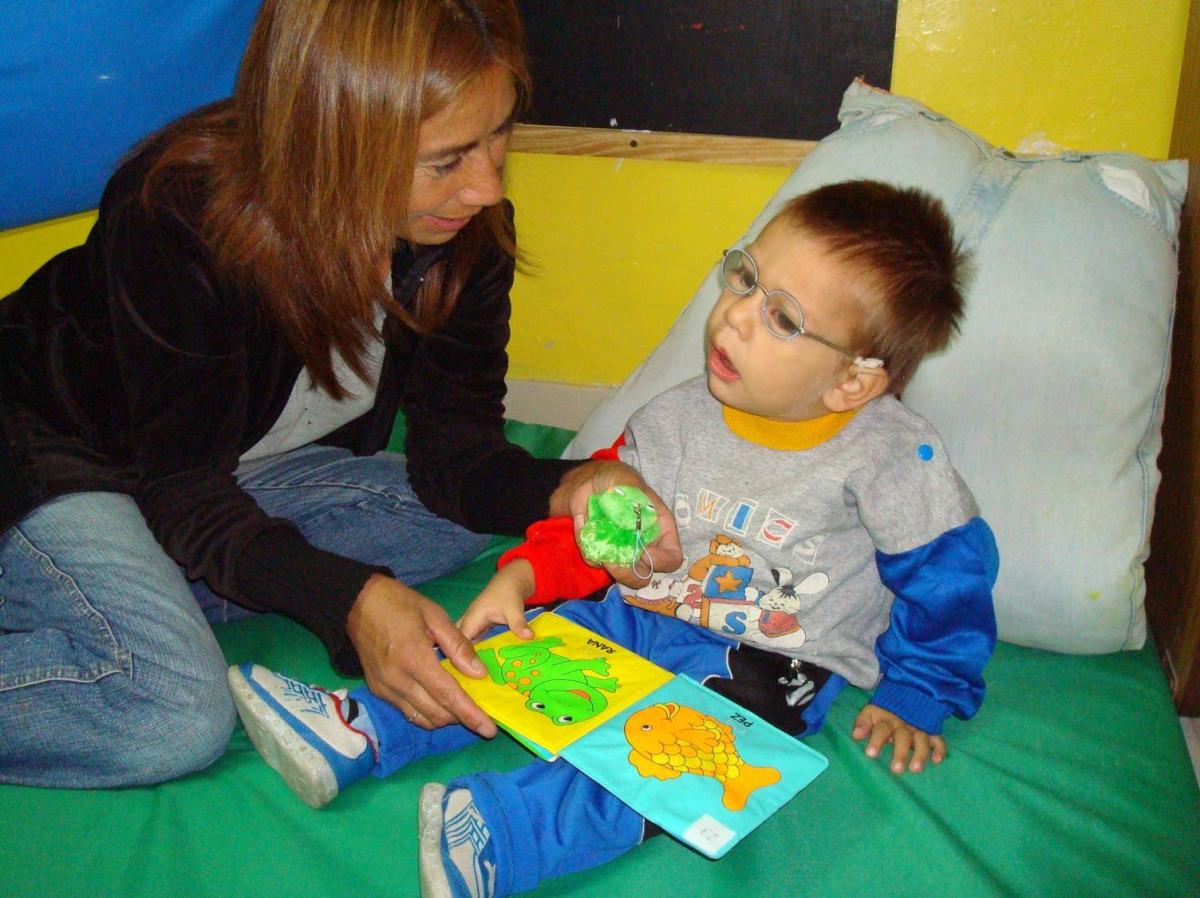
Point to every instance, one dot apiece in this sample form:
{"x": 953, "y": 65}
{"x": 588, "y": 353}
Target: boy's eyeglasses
{"x": 781, "y": 313}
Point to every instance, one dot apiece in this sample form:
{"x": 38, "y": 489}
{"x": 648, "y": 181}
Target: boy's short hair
{"x": 903, "y": 242}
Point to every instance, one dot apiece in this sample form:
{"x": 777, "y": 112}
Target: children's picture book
{"x": 700, "y": 766}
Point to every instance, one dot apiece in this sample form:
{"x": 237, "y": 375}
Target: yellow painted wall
{"x": 1091, "y": 74}
{"x": 618, "y": 247}
{"x": 23, "y": 250}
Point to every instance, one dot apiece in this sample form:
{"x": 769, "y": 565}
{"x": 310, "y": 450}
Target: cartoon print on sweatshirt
{"x": 780, "y": 607}
{"x": 722, "y": 550}
{"x": 719, "y": 593}
{"x": 769, "y": 617}
{"x": 663, "y": 594}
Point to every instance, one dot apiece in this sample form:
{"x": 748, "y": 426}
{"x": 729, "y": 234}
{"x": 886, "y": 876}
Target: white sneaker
{"x": 455, "y": 850}
{"x": 302, "y": 732}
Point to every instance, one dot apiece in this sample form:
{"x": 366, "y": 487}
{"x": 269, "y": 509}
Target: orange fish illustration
{"x": 669, "y": 739}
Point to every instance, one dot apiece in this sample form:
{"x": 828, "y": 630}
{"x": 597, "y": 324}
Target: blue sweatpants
{"x": 575, "y": 823}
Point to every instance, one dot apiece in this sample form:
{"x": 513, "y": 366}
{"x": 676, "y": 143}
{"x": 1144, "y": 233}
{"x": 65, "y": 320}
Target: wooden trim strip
{"x": 659, "y": 145}
{"x": 1173, "y": 569}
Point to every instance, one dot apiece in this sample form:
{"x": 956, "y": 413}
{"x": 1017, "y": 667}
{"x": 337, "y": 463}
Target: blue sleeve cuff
{"x": 913, "y": 706}
{"x": 942, "y": 627}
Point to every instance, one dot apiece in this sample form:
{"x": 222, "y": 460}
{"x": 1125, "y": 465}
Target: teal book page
{"x": 540, "y": 751}
{"x": 703, "y": 768}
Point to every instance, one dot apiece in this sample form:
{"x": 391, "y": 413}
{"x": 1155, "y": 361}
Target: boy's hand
{"x": 884, "y": 726}
{"x": 595, "y": 477}
{"x": 502, "y": 601}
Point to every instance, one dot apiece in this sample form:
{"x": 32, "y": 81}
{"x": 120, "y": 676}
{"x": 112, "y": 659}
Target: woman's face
{"x": 460, "y": 159}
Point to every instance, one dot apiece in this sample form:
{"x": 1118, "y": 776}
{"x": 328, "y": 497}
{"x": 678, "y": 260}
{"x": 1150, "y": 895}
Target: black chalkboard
{"x": 766, "y": 68}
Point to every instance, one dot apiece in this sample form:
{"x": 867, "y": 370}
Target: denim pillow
{"x": 1051, "y": 400}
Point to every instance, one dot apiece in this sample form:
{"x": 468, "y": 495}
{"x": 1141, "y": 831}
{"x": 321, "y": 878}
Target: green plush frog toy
{"x": 621, "y": 522}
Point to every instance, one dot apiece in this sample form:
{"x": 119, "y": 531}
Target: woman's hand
{"x": 883, "y": 727}
{"x": 395, "y": 630}
{"x": 571, "y": 498}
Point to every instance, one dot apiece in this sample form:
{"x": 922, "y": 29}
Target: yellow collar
{"x": 787, "y": 436}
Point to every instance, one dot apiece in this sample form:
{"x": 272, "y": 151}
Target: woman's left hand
{"x": 593, "y": 477}
{"x": 396, "y": 632}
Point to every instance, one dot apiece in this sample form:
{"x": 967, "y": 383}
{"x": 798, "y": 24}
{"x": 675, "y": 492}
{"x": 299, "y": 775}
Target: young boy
{"x": 827, "y": 539}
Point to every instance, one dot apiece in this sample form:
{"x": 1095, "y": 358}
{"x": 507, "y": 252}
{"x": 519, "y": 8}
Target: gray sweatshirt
{"x": 780, "y": 543}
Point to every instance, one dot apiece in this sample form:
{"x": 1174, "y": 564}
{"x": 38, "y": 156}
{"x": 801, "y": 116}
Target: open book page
{"x": 701, "y": 767}
{"x": 564, "y": 682}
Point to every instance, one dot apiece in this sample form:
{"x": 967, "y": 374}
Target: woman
{"x": 192, "y": 403}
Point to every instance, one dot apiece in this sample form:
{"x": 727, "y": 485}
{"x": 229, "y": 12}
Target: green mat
{"x": 1073, "y": 780}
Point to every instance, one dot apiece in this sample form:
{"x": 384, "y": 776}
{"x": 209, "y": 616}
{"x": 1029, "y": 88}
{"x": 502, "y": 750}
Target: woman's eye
{"x": 444, "y": 168}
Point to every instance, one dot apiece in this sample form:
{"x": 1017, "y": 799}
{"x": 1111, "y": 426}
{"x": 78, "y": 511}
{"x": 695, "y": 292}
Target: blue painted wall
{"x": 81, "y": 81}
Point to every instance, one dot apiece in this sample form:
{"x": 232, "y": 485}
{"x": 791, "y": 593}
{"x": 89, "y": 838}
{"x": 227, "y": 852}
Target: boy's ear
{"x": 859, "y": 389}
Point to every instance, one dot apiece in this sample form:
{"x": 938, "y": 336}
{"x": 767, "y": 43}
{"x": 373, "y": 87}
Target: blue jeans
{"x": 109, "y": 672}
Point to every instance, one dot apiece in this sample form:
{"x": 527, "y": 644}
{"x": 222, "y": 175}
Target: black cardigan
{"x": 127, "y": 365}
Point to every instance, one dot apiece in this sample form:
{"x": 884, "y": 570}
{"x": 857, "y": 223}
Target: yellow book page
{"x": 561, "y": 684}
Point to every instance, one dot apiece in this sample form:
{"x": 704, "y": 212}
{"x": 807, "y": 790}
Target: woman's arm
{"x": 198, "y": 366}
{"x": 460, "y": 463}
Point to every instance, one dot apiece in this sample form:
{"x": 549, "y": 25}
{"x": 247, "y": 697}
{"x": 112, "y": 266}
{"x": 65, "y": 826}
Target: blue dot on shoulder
{"x": 925, "y": 452}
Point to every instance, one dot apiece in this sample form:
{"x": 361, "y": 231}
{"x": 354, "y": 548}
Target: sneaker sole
{"x": 434, "y": 883}
{"x": 302, "y": 767}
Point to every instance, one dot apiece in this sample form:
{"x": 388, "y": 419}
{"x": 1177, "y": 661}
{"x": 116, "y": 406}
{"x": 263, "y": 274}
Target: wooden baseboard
{"x": 557, "y": 404}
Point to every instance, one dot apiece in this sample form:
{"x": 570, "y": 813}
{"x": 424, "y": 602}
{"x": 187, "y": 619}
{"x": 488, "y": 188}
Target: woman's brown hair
{"x": 308, "y": 167}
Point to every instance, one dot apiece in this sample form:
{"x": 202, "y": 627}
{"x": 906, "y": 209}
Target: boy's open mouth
{"x": 720, "y": 366}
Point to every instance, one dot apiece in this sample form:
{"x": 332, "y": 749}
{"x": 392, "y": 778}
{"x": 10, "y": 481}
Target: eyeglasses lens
{"x": 738, "y": 273}
{"x": 782, "y": 315}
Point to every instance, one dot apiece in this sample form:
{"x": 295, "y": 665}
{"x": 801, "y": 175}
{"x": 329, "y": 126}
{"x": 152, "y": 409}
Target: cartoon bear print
{"x": 721, "y": 550}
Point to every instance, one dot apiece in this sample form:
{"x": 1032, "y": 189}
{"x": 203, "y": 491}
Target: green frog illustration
{"x": 566, "y": 690}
